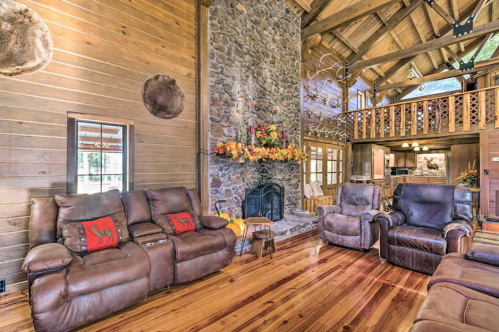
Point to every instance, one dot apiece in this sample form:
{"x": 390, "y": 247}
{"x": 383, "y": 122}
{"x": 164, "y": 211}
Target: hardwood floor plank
{"x": 307, "y": 286}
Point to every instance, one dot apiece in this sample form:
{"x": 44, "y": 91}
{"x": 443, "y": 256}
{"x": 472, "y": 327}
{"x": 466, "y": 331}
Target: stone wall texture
{"x": 254, "y": 60}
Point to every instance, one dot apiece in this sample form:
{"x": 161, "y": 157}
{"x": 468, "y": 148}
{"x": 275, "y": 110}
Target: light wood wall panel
{"x": 103, "y": 51}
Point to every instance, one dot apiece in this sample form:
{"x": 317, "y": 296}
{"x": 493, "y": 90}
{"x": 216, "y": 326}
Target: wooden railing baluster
{"x": 452, "y": 114}
{"x": 356, "y": 126}
{"x": 364, "y": 125}
{"x": 425, "y": 117}
{"x": 466, "y": 112}
{"x": 392, "y": 121}
{"x": 402, "y": 120}
{"x": 373, "y": 122}
{"x": 497, "y": 107}
{"x": 481, "y": 110}
{"x": 414, "y": 118}
{"x": 382, "y": 122}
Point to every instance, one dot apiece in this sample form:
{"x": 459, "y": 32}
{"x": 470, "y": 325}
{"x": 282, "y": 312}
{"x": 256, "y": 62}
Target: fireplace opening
{"x": 266, "y": 200}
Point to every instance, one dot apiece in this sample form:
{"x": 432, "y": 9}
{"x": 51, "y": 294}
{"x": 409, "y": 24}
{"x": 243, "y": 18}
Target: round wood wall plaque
{"x": 25, "y": 42}
{"x": 163, "y": 97}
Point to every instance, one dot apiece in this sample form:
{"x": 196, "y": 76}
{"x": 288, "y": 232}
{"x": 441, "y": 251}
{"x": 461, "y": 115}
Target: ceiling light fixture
{"x": 405, "y": 145}
{"x": 411, "y": 74}
{"x": 417, "y": 148}
{"x": 425, "y": 148}
{"x": 414, "y": 144}
{"x": 421, "y": 87}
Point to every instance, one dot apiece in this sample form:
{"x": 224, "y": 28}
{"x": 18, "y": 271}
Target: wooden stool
{"x": 263, "y": 240}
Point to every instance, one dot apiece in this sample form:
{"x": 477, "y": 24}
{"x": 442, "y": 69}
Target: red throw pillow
{"x": 87, "y": 236}
{"x": 182, "y": 222}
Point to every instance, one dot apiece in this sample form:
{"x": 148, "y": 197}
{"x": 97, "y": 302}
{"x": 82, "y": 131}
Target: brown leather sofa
{"x": 428, "y": 221}
{"x": 350, "y": 223}
{"x": 68, "y": 289}
{"x": 463, "y": 293}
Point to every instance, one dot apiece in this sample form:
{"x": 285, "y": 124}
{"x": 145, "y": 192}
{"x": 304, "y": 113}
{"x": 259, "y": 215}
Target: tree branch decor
{"x": 253, "y": 153}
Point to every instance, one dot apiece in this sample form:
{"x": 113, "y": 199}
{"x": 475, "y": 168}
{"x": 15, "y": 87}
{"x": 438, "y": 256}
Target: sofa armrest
{"x": 144, "y": 229}
{"x": 328, "y": 209}
{"x": 458, "y": 233}
{"x": 387, "y": 221}
{"x": 483, "y": 253}
{"x": 213, "y": 222}
{"x": 459, "y": 224}
{"x": 369, "y": 215}
{"x": 46, "y": 257}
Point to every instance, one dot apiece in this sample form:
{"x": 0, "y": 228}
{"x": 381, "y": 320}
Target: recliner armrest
{"x": 213, "y": 222}
{"x": 324, "y": 210}
{"x": 369, "y": 215}
{"x": 390, "y": 219}
{"x": 459, "y": 224}
{"x": 483, "y": 253}
{"x": 46, "y": 257}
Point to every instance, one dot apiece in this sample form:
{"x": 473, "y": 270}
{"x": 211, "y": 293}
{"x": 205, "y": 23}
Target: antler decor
{"x": 319, "y": 129}
{"x": 323, "y": 95}
{"x": 339, "y": 118}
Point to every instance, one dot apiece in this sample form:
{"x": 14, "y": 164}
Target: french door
{"x": 324, "y": 165}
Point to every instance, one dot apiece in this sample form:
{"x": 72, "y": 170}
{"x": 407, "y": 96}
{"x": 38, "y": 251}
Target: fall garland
{"x": 255, "y": 153}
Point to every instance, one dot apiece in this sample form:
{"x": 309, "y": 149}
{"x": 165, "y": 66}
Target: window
{"x": 98, "y": 156}
{"x": 361, "y": 100}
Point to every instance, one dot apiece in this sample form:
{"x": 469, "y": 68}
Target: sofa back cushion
{"x": 425, "y": 205}
{"x": 136, "y": 207}
{"x": 43, "y": 221}
{"x": 88, "y": 236}
{"x": 357, "y": 198}
{"x": 85, "y": 207}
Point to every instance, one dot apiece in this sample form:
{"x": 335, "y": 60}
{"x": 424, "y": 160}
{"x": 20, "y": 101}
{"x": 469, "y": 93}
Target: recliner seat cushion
{"x": 105, "y": 268}
{"x": 420, "y": 238}
{"x": 193, "y": 244}
{"x": 425, "y": 205}
{"x": 342, "y": 225}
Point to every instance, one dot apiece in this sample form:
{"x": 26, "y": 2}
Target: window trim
{"x": 72, "y": 149}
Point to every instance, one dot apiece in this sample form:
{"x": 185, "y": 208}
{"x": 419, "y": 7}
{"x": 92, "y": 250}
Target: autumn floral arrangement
{"x": 254, "y": 153}
{"x": 470, "y": 178}
{"x": 268, "y": 135}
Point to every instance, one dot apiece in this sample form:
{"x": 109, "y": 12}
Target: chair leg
{"x": 257, "y": 247}
{"x": 272, "y": 245}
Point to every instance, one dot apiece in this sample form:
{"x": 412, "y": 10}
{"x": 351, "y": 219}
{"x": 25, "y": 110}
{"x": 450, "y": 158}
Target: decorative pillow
{"x": 308, "y": 191}
{"x": 87, "y": 236}
{"x": 178, "y": 222}
{"x": 316, "y": 187}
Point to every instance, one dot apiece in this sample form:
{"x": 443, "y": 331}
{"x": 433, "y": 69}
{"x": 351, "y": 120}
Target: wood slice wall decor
{"x": 163, "y": 97}
{"x": 25, "y": 42}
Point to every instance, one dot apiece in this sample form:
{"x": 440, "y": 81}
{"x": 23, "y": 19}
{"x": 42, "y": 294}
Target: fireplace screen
{"x": 265, "y": 201}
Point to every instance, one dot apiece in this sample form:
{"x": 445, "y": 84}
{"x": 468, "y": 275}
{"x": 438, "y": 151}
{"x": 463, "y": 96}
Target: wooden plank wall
{"x": 104, "y": 50}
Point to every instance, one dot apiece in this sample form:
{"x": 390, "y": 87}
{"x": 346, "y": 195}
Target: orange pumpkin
{"x": 222, "y": 215}
{"x": 235, "y": 228}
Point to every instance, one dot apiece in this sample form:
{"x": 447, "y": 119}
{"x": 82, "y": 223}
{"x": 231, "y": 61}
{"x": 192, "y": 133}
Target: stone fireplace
{"x": 254, "y": 61}
{"x": 267, "y": 200}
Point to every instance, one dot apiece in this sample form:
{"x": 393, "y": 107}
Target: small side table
{"x": 259, "y": 224}
{"x": 263, "y": 240}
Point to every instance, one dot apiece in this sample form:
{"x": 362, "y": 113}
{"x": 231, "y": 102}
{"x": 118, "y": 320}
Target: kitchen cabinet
{"x": 369, "y": 160}
{"x": 427, "y": 179}
{"x": 392, "y": 160}
{"x": 405, "y": 159}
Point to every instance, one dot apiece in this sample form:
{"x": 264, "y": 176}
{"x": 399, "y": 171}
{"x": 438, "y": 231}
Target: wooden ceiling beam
{"x": 345, "y": 17}
{"x": 442, "y": 67}
{"x": 478, "y": 8}
{"x": 403, "y": 63}
{"x": 423, "y": 40}
{"x": 479, "y": 31}
{"x": 390, "y": 24}
{"x": 440, "y": 76}
{"x": 440, "y": 11}
{"x": 452, "y": 54}
{"x": 316, "y": 7}
{"x": 482, "y": 44}
{"x": 454, "y": 9}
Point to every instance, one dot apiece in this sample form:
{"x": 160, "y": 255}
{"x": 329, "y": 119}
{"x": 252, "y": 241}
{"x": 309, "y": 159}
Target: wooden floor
{"x": 307, "y": 286}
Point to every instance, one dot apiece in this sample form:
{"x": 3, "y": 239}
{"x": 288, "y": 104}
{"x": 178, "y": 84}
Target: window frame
{"x": 361, "y": 100}
{"x": 72, "y": 148}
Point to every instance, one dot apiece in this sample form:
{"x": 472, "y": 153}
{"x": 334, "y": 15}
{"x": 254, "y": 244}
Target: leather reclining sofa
{"x": 70, "y": 288}
{"x": 463, "y": 293}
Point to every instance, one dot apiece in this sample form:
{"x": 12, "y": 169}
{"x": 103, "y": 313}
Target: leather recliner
{"x": 68, "y": 289}
{"x": 350, "y": 223}
{"x": 463, "y": 293}
{"x": 428, "y": 221}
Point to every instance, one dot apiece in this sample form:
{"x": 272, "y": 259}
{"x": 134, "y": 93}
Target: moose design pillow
{"x": 87, "y": 236}
{"x": 177, "y": 223}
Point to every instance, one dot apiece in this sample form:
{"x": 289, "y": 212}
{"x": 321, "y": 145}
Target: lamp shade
{"x": 405, "y": 145}
{"x": 417, "y": 148}
{"x": 425, "y": 148}
{"x": 414, "y": 144}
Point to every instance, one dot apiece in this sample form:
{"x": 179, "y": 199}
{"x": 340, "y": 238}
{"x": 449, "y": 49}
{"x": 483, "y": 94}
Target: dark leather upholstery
{"x": 350, "y": 223}
{"x": 70, "y": 290}
{"x": 43, "y": 225}
{"x": 136, "y": 207}
{"x": 213, "y": 222}
{"x": 429, "y": 221}
{"x": 483, "y": 253}
{"x": 452, "y": 307}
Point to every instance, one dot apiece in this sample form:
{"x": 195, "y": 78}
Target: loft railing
{"x": 467, "y": 112}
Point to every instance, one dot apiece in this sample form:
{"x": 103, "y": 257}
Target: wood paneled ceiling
{"x": 397, "y": 25}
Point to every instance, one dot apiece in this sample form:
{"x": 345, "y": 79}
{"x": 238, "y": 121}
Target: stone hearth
{"x": 288, "y": 227}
